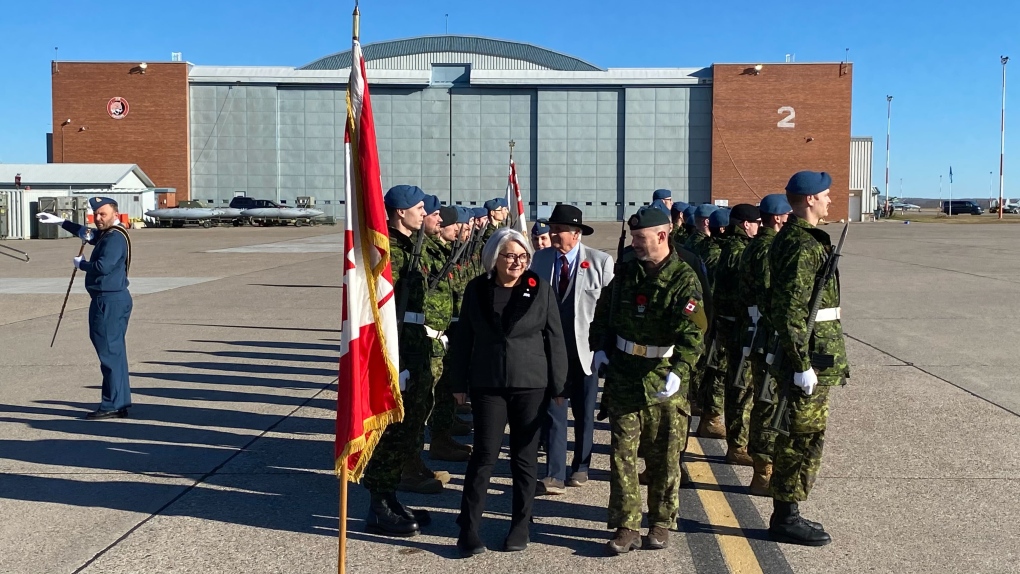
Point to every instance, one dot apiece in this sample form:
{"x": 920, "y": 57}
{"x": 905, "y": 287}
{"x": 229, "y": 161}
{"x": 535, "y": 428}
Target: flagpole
{"x": 342, "y": 538}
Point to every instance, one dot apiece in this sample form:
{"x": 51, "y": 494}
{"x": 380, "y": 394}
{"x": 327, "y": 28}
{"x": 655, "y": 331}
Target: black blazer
{"x": 521, "y": 349}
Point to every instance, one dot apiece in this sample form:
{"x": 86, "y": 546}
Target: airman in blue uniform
{"x": 106, "y": 281}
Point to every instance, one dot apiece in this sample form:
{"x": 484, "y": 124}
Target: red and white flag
{"x": 368, "y": 395}
{"x": 513, "y": 199}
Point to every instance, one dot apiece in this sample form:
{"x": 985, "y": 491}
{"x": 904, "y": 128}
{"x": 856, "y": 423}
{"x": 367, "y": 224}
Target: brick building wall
{"x": 787, "y": 118}
{"x": 153, "y": 133}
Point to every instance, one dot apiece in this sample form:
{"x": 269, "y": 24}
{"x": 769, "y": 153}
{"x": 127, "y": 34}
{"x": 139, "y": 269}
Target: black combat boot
{"x": 421, "y": 516}
{"x": 384, "y": 520}
{"x": 787, "y": 525}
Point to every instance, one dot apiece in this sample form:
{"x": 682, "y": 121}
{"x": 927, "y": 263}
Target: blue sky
{"x": 939, "y": 60}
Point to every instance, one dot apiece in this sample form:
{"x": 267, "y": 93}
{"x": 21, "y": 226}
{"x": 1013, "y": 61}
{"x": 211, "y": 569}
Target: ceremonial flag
{"x": 513, "y": 199}
{"x": 950, "y": 174}
{"x": 368, "y": 395}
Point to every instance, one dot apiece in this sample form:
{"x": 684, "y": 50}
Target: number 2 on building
{"x": 786, "y": 122}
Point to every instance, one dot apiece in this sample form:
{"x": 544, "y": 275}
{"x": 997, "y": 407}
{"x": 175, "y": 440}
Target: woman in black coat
{"x": 508, "y": 352}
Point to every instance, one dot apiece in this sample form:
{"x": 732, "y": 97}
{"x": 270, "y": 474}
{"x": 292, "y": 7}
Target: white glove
{"x": 446, "y": 342}
{"x": 599, "y": 360}
{"x": 807, "y": 381}
{"x": 48, "y": 218}
{"x": 672, "y": 386}
{"x": 404, "y": 376}
{"x": 77, "y": 261}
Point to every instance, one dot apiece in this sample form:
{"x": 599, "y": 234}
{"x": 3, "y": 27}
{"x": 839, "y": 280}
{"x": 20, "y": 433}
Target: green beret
{"x": 648, "y": 216}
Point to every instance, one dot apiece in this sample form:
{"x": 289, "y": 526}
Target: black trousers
{"x": 491, "y": 409}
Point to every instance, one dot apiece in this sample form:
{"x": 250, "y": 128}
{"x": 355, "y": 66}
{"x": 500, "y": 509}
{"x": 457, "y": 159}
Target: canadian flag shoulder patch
{"x": 691, "y": 306}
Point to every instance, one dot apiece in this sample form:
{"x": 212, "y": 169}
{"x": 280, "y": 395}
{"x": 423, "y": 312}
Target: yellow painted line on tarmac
{"x": 736, "y": 550}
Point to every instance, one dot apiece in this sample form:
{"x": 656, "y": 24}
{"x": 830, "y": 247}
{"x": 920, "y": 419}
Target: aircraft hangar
{"x": 446, "y": 109}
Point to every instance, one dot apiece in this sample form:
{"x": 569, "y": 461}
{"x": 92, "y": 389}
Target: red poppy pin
{"x": 585, "y": 265}
{"x": 532, "y": 282}
{"x": 641, "y": 299}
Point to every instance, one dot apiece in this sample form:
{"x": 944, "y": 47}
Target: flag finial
{"x": 357, "y": 20}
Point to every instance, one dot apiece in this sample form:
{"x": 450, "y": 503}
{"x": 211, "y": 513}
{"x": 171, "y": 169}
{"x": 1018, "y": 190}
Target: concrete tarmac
{"x": 225, "y": 464}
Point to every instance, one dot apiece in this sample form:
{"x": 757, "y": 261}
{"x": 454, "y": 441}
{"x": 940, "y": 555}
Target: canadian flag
{"x": 368, "y": 395}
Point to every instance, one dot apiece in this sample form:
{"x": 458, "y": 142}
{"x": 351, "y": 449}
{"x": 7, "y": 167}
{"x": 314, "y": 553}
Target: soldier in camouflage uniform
{"x": 416, "y": 476}
{"x": 754, "y": 289}
{"x": 732, "y": 326}
{"x": 481, "y": 216}
{"x": 497, "y": 210}
{"x": 680, "y": 231}
{"x": 813, "y": 361}
{"x": 645, "y": 332}
{"x": 405, "y": 208}
{"x": 443, "y": 302}
{"x": 710, "y": 382}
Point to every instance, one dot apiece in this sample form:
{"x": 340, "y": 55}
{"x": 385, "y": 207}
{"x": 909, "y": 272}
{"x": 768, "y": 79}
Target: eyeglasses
{"x": 515, "y": 257}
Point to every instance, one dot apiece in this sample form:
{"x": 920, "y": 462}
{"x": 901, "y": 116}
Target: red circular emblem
{"x": 641, "y": 299}
{"x": 585, "y": 265}
{"x": 532, "y": 282}
{"x": 118, "y": 108}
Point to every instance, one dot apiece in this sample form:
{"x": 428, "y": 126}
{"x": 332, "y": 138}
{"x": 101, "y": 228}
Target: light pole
{"x": 990, "y": 192}
{"x": 888, "y": 132}
{"x": 1002, "y": 130}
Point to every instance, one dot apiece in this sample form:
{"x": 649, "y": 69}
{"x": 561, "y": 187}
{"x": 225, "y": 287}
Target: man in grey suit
{"x": 577, "y": 275}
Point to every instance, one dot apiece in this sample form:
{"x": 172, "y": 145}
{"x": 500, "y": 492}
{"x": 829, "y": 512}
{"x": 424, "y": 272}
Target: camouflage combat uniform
{"x": 711, "y": 380}
{"x": 400, "y": 440}
{"x": 729, "y": 335}
{"x": 438, "y": 314}
{"x": 754, "y": 288}
{"x": 679, "y": 235}
{"x": 652, "y": 308}
{"x": 795, "y": 258}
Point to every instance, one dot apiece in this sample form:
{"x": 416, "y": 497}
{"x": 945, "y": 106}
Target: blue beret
{"x": 541, "y": 227}
{"x": 679, "y": 207}
{"x": 661, "y": 194}
{"x": 432, "y": 204}
{"x": 704, "y": 210}
{"x": 501, "y": 202}
{"x": 689, "y": 215}
{"x": 464, "y": 214}
{"x": 775, "y": 204}
{"x": 809, "y": 183}
{"x": 719, "y": 218}
{"x": 649, "y": 216}
{"x": 491, "y": 205}
{"x": 404, "y": 196}
{"x": 480, "y": 212}
{"x": 658, "y": 204}
{"x": 97, "y": 202}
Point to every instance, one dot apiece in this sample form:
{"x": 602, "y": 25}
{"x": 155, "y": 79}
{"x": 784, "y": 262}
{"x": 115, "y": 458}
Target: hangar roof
{"x": 541, "y": 57}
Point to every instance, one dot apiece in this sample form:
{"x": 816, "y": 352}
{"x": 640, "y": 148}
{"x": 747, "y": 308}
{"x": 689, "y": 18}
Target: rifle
{"x": 752, "y": 344}
{"x": 454, "y": 256}
{"x": 781, "y": 421}
{"x": 413, "y": 266}
{"x": 767, "y": 395}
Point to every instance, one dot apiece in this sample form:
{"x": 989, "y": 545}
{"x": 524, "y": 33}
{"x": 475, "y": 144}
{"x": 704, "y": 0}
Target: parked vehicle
{"x": 961, "y": 206}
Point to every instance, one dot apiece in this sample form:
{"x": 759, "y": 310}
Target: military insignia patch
{"x": 641, "y": 302}
{"x": 691, "y": 306}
